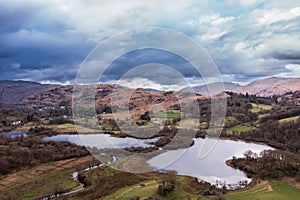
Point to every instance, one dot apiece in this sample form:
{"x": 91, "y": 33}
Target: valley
{"x": 269, "y": 121}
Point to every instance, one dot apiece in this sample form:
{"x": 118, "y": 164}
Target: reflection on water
{"x": 101, "y": 141}
{"x": 212, "y": 167}
{"x": 14, "y": 134}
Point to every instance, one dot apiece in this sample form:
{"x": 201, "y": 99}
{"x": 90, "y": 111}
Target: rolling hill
{"x": 34, "y": 94}
{"x": 12, "y": 92}
{"x": 262, "y": 87}
{"x": 203, "y": 89}
{"x": 138, "y": 100}
{"x": 270, "y": 86}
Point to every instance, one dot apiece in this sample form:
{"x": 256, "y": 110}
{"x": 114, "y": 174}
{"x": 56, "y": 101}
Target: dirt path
{"x": 133, "y": 188}
{"x": 11, "y": 180}
{"x": 266, "y": 187}
{"x": 269, "y": 188}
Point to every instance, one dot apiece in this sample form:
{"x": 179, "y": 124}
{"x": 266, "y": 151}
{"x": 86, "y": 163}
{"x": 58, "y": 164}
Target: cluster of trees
{"x": 25, "y": 115}
{"x": 84, "y": 179}
{"x": 60, "y": 120}
{"x": 269, "y": 164}
{"x": 281, "y": 114}
{"x": 280, "y": 135}
{"x": 21, "y": 152}
{"x": 266, "y": 127}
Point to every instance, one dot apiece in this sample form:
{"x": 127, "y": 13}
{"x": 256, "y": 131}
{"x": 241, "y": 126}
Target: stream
{"x": 75, "y": 178}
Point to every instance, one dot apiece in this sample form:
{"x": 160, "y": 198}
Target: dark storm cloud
{"x": 141, "y": 57}
{"x": 36, "y": 50}
{"x": 55, "y": 73}
{"x": 287, "y": 55}
{"x": 36, "y": 47}
{"x": 42, "y": 53}
{"x": 14, "y": 17}
{"x": 47, "y": 40}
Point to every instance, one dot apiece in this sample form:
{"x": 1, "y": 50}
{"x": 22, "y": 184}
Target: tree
{"x": 145, "y": 116}
{"x": 248, "y": 154}
{"x": 168, "y": 183}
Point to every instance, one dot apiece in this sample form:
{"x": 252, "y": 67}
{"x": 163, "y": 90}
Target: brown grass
{"x": 12, "y": 180}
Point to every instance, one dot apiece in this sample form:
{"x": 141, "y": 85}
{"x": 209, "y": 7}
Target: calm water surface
{"x": 14, "y": 134}
{"x": 101, "y": 141}
{"x": 211, "y": 168}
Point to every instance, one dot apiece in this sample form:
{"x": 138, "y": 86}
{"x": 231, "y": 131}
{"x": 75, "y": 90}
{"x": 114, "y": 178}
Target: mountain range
{"x": 270, "y": 86}
{"x": 262, "y": 87}
{"x": 12, "y": 92}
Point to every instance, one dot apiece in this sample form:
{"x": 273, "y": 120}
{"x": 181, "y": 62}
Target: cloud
{"x": 15, "y": 16}
{"x": 246, "y": 49}
{"x": 249, "y": 2}
{"x": 152, "y": 57}
{"x": 53, "y": 74}
{"x": 276, "y": 15}
{"x": 246, "y": 39}
{"x": 146, "y": 83}
{"x": 292, "y": 70}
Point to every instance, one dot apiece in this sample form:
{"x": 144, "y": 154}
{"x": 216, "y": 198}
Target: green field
{"x": 230, "y": 119}
{"x": 42, "y": 185}
{"x": 42, "y": 180}
{"x": 263, "y": 115}
{"x": 289, "y": 119}
{"x": 67, "y": 127}
{"x": 273, "y": 190}
{"x": 276, "y": 190}
{"x": 11, "y": 118}
{"x": 64, "y": 126}
{"x": 149, "y": 189}
{"x": 239, "y": 129}
{"x": 260, "y": 107}
{"x": 124, "y": 186}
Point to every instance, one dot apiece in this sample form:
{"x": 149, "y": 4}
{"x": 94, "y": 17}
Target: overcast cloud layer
{"x": 47, "y": 40}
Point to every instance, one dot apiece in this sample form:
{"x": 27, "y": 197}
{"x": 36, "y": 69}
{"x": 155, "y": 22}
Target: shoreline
{"x": 243, "y": 140}
{"x": 254, "y": 180}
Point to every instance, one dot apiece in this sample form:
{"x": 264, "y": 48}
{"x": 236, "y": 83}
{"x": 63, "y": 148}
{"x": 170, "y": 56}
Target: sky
{"x": 46, "y": 41}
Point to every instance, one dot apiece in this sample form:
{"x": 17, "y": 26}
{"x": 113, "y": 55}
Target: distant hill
{"x": 12, "y": 92}
{"x": 33, "y": 94}
{"x": 151, "y": 90}
{"x": 203, "y": 89}
{"x": 139, "y": 99}
{"x": 271, "y": 86}
{"x": 262, "y": 87}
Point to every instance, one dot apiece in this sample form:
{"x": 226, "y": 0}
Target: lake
{"x": 14, "y": 134}
{"x": 101, "y": 141}
{"x": 211, "y": 168}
